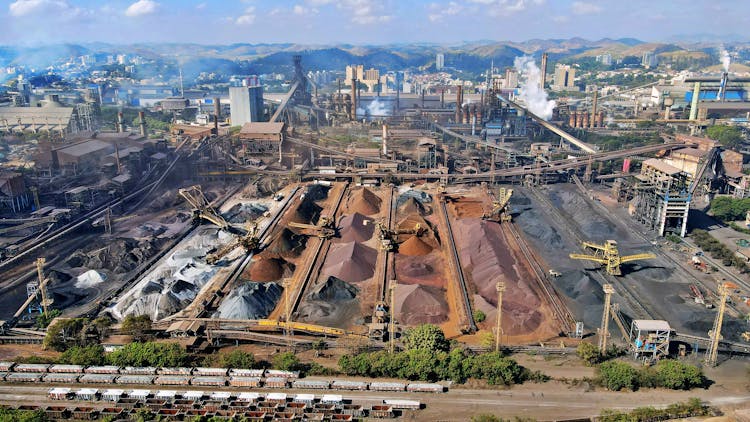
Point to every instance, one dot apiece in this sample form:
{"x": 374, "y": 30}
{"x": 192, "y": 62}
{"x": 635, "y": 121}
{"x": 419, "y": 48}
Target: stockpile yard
{"x": 661, "y": 288}
{"x": 344, "y": 290}
{"x": 488, "y": 256}
{"x": 421, "y": 292}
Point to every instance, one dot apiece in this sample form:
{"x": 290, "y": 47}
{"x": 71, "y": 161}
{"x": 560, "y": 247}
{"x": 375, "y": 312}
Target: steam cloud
{"x": 725, "y": 59}
{"x": 530, "y": 92}
{"x": 375, "y": 109}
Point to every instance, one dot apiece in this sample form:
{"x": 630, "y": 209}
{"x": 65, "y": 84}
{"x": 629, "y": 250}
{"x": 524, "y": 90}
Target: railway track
{"x": 561, "y": 312}
{"x": 464, "y": 308}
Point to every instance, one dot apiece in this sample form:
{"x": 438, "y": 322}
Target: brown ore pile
{"x": 351, "y": 262}
{"x": 363, "y": 201}
{"x": 486, "y": 259}
{"x": 420, "y": 304}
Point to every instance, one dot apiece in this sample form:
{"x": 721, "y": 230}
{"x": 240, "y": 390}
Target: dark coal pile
{"x": 250, "y": 301}
{"x": 332, "y": 303}
{"x": 242, "y": 213}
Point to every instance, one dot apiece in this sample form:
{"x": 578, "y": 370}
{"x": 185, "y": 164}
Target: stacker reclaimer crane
{"x": 608, "y": 256}
{"x": 202, "y": 210}
{"x": 725, "y": 290}
{"x": 500, "y": 211}
{"x": 388, "y": 237}
{"x": 324, "y": 230}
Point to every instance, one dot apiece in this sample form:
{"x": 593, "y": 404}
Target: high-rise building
{"x": 439, "y": 61}
{"x": 605, "y": 59}
{"x": 649, "y": 59}
{"x": 354, "y": 72}
{"x": 564, "y": 77}
{"x": 246, "y": 103}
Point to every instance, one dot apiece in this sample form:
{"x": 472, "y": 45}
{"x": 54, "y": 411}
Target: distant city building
{"x": 649, "y": 60}
{"x": 354, "y": 72}
{"x": 439, "y": 61}
{"x": 511, "y": 78}
{"x": 246, "y": 102}
{"x": 564, "y": 78}
{"x": 605, "y": 59}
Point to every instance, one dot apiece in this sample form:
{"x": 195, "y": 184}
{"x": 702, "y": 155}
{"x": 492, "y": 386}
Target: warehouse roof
{"x": 690, "y": 151}
{"x": 84, "y": 148}
{"x": 651, "y": 325}
{"x": 661, "y": 166}
{"x": 262, "y": 127}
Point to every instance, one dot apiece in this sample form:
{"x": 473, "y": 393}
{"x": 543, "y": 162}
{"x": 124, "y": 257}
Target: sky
{"x": 30, "y": 22}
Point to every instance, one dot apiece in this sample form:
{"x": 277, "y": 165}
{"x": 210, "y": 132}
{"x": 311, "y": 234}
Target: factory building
{"x": 662, "y": 202}
{"x": 14, "y": 194}
{"x": 246, "y": 103}
{"x": 262, "y": 137}
{"x": 51, "y": 118}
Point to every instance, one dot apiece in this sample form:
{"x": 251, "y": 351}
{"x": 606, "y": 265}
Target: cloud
{"x": 142, "y": 8}
{"x": 201, "y": 6}
{"x": 439, "y": 12}
{"x": 505, "y": 7}
{"x": 364, "y": 12}
{"x": 561, "y": 19}
{"x": 247, "y": 17}
{"x": 301, "y": 10}
{"x": 583, "y": 8}
{"x": 21, "y": 8}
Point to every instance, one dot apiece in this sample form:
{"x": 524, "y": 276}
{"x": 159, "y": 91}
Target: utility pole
{"x": 604, "y": 330}
{"x": 287, "y": 308}
{"x": 500, "y": 286}
{"x": 392, "y": 320}
{"x": 108, "y": 220}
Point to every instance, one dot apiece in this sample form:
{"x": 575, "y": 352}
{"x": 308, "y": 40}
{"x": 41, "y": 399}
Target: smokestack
{"x": 459, "y": 102}
{"x": 117, "y": 157}
{"x": 423, "y": 90}
{"x": 593, "y": 108}
{"x": 120, "y": 127}
{"x": 354, "y": 94}
{"x": 543, "y": 71}
{"x": 442, "y": 98}
{"x": 600, "y": 119}
{"x": 466, "y": 113}
{"x": 217, "y": 114}
{"x": 385, "y": 140}
{"x": 398, "y": 92}
{"x": 142, "y": 120}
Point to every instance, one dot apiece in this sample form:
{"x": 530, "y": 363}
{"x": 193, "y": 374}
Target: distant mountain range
{"x": 473, "y": 57}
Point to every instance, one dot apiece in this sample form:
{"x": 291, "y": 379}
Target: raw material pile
{"x": 250, "y": 301}
{"x": 269, "y": 269}
{"x": 417, "y": 304}
{"x": 414, "y": 246}
{"x": 332, "y": 303}
{"x": 486, "y": 259}
{"x": 243, "y": 212}
{"x": 308, "y": 211}
{"x": 421, "y": 197}
{"x": 356, "y": 228}
{"x": 411, "y": 206}
{"x": 426, "y": 270}
{"x": 286, "y": 245}
{"x": 334, "y": 289}
{"x": 351, "y": 262}
{"x": 363, "y": 201}
{"x": 88, "y": 279}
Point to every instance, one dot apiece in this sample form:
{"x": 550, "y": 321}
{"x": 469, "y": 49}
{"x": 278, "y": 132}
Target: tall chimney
{"x": 600, "y": 119}
{"x": 120, "y": 126}
{"x": 466, "y": 114}
{"x": 442, "y": 98}
{"x": 585, "y": 119}
{"x": 459, "y": 102}
{"x": 142, "y": 121}
{"x": 354, "y": 94}
{"x": 594, "y": 108}
{"x": 217, "y": 114}
{"x": 543, "y": 71}
{"x": 385, "y": 140}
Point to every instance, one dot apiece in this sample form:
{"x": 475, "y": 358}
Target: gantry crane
{"x": 725, "y": 289}
{"x": 388, "y": 237}
{"x": 324, "y": 230}
{"x": 500, "y": 212}
{"x": 41, "y": 286}
{"x": 202, "y": 209}
{"x": 248, "y": 240}
{"x": 608, "y": 256}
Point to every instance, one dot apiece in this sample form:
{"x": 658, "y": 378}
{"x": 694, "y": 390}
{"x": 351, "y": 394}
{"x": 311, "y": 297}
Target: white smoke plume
{"x": 376, "y": 109}
{"x": 725, "y": 59}
{"x": 530, "y": 92}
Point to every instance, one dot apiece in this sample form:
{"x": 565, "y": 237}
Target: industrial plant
{"x": 527, "y": 206}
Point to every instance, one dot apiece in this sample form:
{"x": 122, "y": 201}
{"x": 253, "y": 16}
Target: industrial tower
{"x": 725, "y": 289}
{"x": 500, "y": 286}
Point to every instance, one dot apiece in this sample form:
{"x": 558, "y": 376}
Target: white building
{"x": 246, "y": 104}
{"x": 439, "y": 61}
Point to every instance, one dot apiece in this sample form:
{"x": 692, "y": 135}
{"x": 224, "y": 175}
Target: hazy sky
{"x": 363, "y": 21}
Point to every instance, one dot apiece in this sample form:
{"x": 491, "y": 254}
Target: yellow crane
{"x": 202, "y": 209}
{"x": 500, "y": 212}
{"x": 46, "y": 302}
{"x": 725, "y": 290}
{"x": 388, "y": 237}
{"x": 608, "y": 256}
{"x": 324, "y": 230}
{"x": 249, "y": 241}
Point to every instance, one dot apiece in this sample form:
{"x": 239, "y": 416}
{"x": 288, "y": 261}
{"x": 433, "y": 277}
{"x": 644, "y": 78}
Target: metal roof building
{"x": 37, "y": 119}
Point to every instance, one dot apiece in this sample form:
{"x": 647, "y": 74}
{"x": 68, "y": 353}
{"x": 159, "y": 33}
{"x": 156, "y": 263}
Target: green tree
{"x": 479, "y": 316}
{"x": 426, "y": 337}
{"x": 91, "y": 355}
{"x": 286, "y": 361}
{"x": 728, "y": 136}
{"x": 136, "y": 326}
{"x": 319, "y": 346}
{"x": 237, "y": 359}
{"x": 618, "y": 375}
{"x": 677, "y": 375}
{"x": 43, "y": 320}
{"x": 65, "y": 333}
{"x": 149, "y": 354}
{"x": 588, "y": 353}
